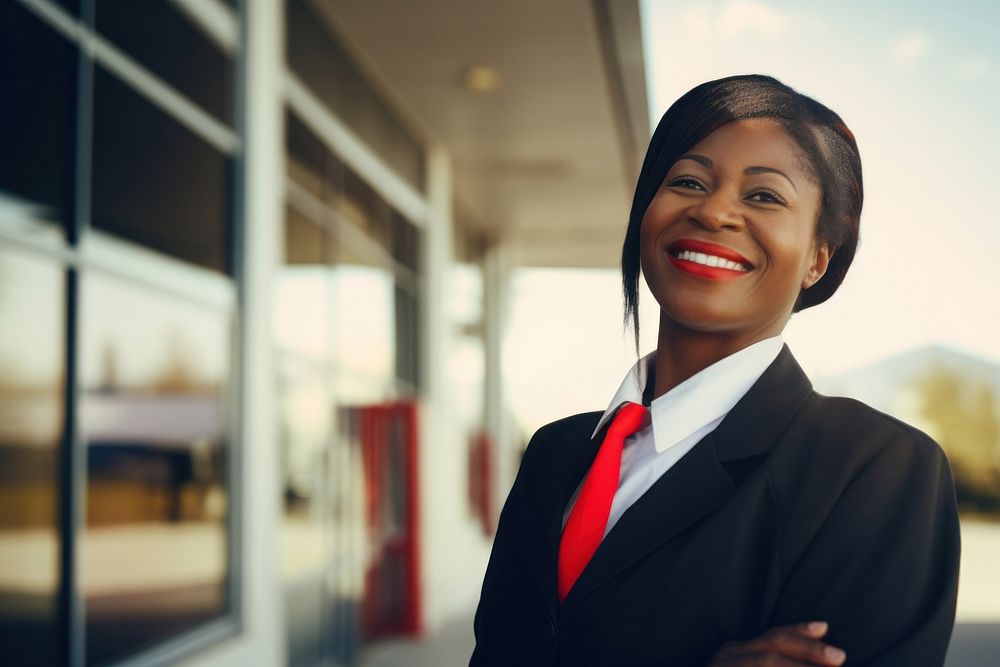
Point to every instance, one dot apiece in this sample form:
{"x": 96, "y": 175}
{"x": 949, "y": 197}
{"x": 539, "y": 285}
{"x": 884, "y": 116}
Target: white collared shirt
{"x": 678, "y": 419}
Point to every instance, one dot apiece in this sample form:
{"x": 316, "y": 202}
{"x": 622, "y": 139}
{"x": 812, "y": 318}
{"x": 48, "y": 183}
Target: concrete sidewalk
{"x": 451, "y": 646}
{"x": 974, "y": 645}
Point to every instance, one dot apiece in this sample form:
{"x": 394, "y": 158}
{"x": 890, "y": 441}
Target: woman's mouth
{"x": 707, "y": 260}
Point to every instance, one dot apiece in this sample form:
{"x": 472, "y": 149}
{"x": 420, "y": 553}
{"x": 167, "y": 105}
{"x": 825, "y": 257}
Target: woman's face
{"x": 727, "y": 241}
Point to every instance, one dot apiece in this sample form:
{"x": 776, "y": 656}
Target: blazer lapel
{"x": 546, "y": 499}
{"x": 691, "y": 489}
{"x": 694, "y": 487}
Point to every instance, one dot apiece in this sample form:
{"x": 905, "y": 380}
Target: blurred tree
{"x": 966, "y": 423}
{"x": 178, "y": 373}
{"x": 108, "y": 382}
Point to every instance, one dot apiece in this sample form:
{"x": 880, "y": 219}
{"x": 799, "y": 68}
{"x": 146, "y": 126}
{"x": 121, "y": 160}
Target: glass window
{"x": 303, "y": 298}
{"x": 359, "y": 206}
{"x": 315, "y": 55}
{"x": 154, "y": 382}
{"x": 161, "y": 39}
{"x": 37, "y": 116}
{"x": 324, "y": 538}
{"x": 155, "y": 182}
{"x": 309, "y": 163}
{"x": 307, "y": 412}
{"x": 339, "y": 300}
{"x": 306, "y": 242}
{"x": 407, "y": 336}
{"x": 72, "y": 6}
{"x": 31, "y": 420}
{"x": 406, "y": 239}
{"x": 364, "y": 316}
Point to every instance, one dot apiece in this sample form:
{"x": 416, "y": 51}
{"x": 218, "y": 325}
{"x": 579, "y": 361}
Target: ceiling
{"x": 545, "y": 162}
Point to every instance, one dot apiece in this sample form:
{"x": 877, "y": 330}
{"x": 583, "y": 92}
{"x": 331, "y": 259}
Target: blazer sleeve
{"x": 500, "y": 614}
{"x": 883, "y": 567}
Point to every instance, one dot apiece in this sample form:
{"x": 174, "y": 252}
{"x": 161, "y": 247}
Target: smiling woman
{"x": 722, "y": 204}
{"x": 720, "y": 511}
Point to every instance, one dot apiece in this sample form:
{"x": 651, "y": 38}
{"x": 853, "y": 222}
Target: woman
{"x": 719, "y": 504}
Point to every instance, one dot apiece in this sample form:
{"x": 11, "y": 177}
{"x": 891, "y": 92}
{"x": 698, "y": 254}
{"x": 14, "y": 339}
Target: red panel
{"x": 391, "y": 603}
{"x": 481, "y": 481}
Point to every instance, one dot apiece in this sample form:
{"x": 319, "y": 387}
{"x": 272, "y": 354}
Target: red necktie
{"x": 585, "y": 527}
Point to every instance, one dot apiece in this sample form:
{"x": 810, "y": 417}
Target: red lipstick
{"x": 696, "y": 268}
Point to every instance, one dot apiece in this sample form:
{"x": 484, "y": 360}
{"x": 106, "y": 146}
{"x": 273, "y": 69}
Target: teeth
{"x": 711, "y": 260}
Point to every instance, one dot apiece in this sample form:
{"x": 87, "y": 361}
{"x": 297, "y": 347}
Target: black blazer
{"x": 797, "y": 507}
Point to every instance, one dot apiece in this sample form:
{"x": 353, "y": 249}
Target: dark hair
{"x": 828, "y": 147}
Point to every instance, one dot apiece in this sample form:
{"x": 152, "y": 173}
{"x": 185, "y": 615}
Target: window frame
{"x": 76, "y": 255}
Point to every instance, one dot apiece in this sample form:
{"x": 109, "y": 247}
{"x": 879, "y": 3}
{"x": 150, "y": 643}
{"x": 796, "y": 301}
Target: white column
{"x": 261, "y": 640}
{"x": 497, "y": 270}
{"x": 454, "y": 551}
{"x": 437, "y": 437}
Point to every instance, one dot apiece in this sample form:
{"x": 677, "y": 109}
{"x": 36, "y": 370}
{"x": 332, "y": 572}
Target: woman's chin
{"x": 706, "y": 317}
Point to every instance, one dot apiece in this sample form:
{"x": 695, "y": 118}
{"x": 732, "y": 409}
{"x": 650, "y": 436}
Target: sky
{"x": 919, "y": 85}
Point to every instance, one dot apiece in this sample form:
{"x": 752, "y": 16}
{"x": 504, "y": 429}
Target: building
{"x": 253, "y": 261}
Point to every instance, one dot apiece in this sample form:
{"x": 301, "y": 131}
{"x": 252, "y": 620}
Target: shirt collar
{"x": 705, "y": 396}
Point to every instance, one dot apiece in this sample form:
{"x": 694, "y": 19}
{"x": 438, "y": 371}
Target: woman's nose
{"x": 716, "y": 210}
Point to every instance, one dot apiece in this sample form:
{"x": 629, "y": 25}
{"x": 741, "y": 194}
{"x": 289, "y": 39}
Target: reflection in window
{"x": 306, "y": 415}
{"x": 72, "y": 6}
{"x": 359, "y": 206}
{"x": 154, "y": 373}
{"x": 407, "y": 335}
{"x": 161, "y": 39}
{"x": 346, "y": 331}
{"x": 156, "y": 183}
{"x": 31, "y": 419}
{"x": 310, "y": 164}
{"x": 405, "y": 242}
{"x": 306, "y": 242}
{"x": 364, "y": 319}
{"x": 302, "y": 305}
{"x": 317, "y": 57}
{"x": 303, "y": 321}
{"x": 38, "y": 84}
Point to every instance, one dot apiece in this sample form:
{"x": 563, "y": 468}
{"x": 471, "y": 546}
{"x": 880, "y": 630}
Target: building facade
{"x": 252, "y": 292}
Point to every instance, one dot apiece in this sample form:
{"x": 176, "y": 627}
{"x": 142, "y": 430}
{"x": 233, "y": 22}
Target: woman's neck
{"x": 683, "y": 352}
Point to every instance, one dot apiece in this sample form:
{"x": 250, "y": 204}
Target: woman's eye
{"x": 768, "y": 197}
{"x": 688, "y": 183}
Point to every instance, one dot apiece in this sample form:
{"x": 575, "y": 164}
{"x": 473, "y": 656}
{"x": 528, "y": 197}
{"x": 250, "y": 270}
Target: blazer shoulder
{"x": 553, "y": 435}
{"x": 848, "y": 420}
{"x": 846, "y": 466}
{"x": 574, "y": 421}
{"x": 834, "y": 439}
{"x": 570, "y": 425}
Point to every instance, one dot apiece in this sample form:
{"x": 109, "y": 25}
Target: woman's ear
{"x": 817, "y": 267}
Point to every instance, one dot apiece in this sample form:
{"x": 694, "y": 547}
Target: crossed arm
{"x": 882, "y": 571}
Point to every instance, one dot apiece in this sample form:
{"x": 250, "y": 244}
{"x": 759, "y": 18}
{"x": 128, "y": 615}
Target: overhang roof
{"x": 548, "y": 160}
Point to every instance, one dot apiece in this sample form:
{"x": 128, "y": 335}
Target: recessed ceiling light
{"x": 481, "y": 79}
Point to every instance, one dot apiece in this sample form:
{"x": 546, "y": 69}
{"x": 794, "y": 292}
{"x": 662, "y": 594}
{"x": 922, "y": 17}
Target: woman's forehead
{"x": 754, "y": 142}
{"x": 753, "y": 146}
